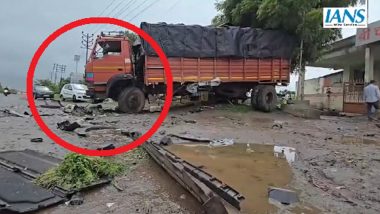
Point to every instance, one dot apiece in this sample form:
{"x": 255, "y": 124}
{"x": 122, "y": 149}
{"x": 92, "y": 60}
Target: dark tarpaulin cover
{"x": 178, "y": 40}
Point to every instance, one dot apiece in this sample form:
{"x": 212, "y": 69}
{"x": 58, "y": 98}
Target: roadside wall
{"x": 316, "y": 91}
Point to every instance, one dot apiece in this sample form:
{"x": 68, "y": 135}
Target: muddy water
{"x": 249, "y": 170}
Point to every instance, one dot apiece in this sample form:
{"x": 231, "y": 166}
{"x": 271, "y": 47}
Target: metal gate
{"x": 353, "y": 101}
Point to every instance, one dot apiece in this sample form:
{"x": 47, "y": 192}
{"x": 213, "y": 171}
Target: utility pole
{"x": 52, "y": 72}
{"x": 76, "y": 59}
{"x": 87, "y": 42}
{"x": 301, "y": 76}
{"x": 57, "y": 68}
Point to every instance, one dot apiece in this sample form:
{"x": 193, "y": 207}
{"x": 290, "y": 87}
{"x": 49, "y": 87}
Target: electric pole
{"x": 87, "y": 42}
{"x": 57, "y": 68}
{"x": 76, "y": 59}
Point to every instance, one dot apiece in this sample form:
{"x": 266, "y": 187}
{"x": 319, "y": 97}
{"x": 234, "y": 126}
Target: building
{"x": 326, "y": 92}
{"x": 359, "y": 58}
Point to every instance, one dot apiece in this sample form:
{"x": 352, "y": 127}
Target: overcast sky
{"x": 25, "y": 24}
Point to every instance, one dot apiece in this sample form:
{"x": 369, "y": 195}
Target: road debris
{"x": 8, "y": 113}
{"x": 165, "y": 141}
{"x": 191, "y": 138}
{"x": 77, "y": 199}
{"x": 68, "y": 126}
{"x": 153, "y": 109}
{"x": 108, "y": 147}
{"x": 36, "y": 140}
{"x": 222, "y": 142}
{"x": 78, "y": 171}
{"x": 284, "y": 196}
{"x": 190, "y": 121}
{"x": 109, "y": 205}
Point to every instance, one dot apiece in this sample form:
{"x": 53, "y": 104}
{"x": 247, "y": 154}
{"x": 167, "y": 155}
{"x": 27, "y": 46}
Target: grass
{"x": 78, "y": 171}
{"x": 238, "y": 108}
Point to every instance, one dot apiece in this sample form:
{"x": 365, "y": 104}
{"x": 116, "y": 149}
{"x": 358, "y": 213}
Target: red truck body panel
{"x": 226, "y": 69}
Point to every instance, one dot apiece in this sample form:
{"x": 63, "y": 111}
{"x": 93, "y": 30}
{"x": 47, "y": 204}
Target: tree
{"x": 131, "y": 36}
{"x": 301, "y": 18}
{"x": 56, "y": 88}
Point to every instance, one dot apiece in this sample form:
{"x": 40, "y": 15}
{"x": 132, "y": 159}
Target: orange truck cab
{"x": 125, "y": 72}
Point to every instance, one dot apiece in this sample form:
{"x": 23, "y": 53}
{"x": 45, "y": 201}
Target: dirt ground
{"x": 337, "y": 166}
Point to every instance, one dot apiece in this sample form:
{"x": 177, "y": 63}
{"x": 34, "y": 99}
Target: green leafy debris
{"x": 78, "y": 171}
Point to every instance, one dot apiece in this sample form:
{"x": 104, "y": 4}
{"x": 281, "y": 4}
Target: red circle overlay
{"x": 100, "y": 20}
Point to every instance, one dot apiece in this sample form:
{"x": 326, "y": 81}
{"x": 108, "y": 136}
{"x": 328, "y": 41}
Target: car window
{"x": 69, "y": 87}
{"x": 42, "y": 88}
{"x": 80, "y": 87}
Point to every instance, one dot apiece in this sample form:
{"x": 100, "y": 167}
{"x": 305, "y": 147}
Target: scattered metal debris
{"x": 153, "y": 109}
{"x": 191, "y": 138}
{"x": 222, "y": 142}
{"x": 36, "y": 140}
{"x": 131, "y": 134}
{"x": 278, "y": 124}
{"x": 67, "y": 126}
{"x": 190, "y": 121}
{"x": 284, "y": 196}
{"x": 8, "y": 113}
{"x": 108, "y": 147}
{"x": 205, "y": 187}
{"x": 77, "y": 199}
{"x": 165, "y": 141}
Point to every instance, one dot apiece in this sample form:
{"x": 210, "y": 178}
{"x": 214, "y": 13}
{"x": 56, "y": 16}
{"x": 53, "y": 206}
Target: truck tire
{"x": 254, "y": 96}
{"x": 131, "y": 100}
{"x": 267, "y": 98}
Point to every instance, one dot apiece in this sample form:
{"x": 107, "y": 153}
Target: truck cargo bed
{"x": 227, "y": 69}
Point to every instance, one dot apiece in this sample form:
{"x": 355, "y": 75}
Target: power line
{"x": 135, "y": 9}
{"x": 146, "y": 8}
{"x": 173, "y": 6}
{"x": 109, "y": 13}
{"x": 122, "y": 10}
{"x": 107, "y": 8}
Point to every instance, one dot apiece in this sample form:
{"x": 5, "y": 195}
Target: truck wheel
{"x": 267, "y": 98}
{"x": 254, "y": 96}
{"x": 131, "y": 100}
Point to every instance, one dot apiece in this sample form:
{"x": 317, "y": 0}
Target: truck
{"x": 230, "y": 62}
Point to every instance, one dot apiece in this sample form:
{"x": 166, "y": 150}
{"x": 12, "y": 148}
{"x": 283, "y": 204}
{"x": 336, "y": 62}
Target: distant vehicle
{"x": 6, "y": 91}
{"x": 44, "y": 92}
{"x": 75, "y": 92}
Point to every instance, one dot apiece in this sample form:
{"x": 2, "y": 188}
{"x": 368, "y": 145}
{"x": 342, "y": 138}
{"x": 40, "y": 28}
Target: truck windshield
{"x": 107, "y": 48}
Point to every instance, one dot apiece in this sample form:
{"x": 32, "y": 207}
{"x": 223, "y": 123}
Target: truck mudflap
{"x": 213, "y": 194}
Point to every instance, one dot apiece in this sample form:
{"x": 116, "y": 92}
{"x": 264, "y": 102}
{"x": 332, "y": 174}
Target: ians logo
{"x": 345, "y": 17}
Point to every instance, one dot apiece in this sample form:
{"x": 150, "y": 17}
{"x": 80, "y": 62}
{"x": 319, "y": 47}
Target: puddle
{"x": 250, "y": 170}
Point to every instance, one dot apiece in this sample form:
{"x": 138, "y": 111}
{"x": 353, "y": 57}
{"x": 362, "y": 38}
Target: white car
{"x": 75, "y": 92}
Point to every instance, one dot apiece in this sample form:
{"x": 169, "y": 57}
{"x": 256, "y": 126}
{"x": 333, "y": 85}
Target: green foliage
{"x": 78, "y": 171}
{"x": 301, "y": 18}
{"x": 56, "y": 88}
{"x": 131, "y": 36}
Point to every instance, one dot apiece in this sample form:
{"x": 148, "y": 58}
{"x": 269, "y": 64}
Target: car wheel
{"x": 74, "y": 98}
{"x": 35, "y": 96}
{"x": 62, "y": 98}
